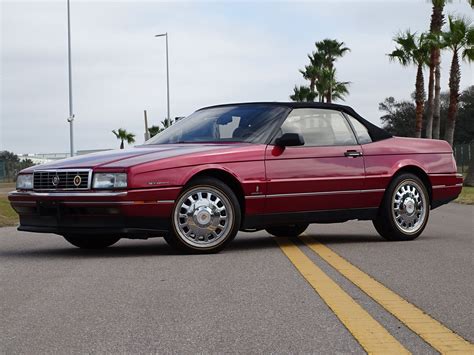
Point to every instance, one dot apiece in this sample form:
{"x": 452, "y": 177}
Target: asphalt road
{"x": 140, "y": 297}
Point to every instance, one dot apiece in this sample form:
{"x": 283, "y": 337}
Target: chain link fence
{"x": 3, "y": 172}
{"x": 463, "y": 153}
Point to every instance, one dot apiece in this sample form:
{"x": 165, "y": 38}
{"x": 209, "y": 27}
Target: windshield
{"x": 238, "y": 123}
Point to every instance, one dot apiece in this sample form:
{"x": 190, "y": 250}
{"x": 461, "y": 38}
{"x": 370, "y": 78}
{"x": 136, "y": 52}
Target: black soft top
{"x": 375, "y": 132}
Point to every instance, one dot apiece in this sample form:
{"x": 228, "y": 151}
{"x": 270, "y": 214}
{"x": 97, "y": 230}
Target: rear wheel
{"x": 405, "y": 209}
{"x": 91, "y": 242}
{"x": 206, "y": 217}
{"x": 291, "y": 230}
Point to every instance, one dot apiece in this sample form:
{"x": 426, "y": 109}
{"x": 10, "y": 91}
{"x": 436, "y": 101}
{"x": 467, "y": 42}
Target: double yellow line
{"x": 371, "y": 335}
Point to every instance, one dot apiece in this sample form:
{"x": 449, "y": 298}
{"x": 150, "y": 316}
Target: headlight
{"x": 109, "y": 181}
{"x": 24, "y": 182}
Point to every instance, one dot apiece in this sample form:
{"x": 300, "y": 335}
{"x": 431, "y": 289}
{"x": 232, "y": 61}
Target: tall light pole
{"x": 167, "y": 74}
{"x": 71, "y": 114}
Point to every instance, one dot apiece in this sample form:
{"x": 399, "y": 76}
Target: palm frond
{"x": 459, "y": 35}
{"x": 303, "y": 94}
{"x": 412, "y": 48}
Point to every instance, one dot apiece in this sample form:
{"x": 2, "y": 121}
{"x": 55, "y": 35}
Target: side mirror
{"x": 290, "y": 140}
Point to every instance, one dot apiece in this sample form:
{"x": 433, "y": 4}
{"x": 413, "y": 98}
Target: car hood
{"x": 134, "y": 156}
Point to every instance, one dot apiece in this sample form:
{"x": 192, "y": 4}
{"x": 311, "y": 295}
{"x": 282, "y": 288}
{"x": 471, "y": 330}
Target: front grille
{"x": 62, "y": 179}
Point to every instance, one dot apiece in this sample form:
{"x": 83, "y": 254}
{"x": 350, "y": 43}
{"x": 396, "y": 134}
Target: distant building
{"x": 42, "y": 158}
{"x": 89, "y": 151}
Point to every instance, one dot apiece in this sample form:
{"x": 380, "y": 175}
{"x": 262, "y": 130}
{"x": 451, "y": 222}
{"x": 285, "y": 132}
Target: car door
{"x": 326, "y": 173}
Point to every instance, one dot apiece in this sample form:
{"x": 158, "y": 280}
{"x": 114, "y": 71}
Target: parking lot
{"x": 261, "y": 294}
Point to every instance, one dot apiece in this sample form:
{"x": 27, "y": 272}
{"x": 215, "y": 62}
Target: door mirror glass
{"x": 290, "y": 140}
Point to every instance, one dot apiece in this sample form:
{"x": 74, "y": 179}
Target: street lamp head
{"x": 162, "y": 34}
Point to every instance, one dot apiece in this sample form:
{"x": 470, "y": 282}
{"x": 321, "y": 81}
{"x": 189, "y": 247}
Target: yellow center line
{"x": 433, "y": 332}
{"x": 372, "y": 336}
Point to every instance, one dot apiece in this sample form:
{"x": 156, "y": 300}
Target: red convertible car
{"x": 249, "y": 166}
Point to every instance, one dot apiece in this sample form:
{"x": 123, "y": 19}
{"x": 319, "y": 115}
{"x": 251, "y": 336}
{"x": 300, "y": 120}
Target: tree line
{"x": 399, "y": 116}
{"x": 424, "y": 51}
{"x": 12, "y": 165}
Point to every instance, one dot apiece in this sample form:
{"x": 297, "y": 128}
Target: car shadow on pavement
{"x": 124, "y": 249}
{"x": 347, "y": 238}
{"x": 158, "y": 247}
{"x": 265, "y": 242}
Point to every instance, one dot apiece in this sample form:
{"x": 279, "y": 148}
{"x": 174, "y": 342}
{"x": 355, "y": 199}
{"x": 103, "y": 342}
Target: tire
{"x": 291, "y": 230}
{"x": 205, "y": 218}
{"x": 91, "y": 242}
{"x": 405, "y": 209}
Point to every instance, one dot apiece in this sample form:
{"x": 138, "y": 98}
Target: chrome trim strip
{"x": 165, "y": 201}
{"x": 96, "y": 202}
{"x": 60, "y": 170}
{"x": 321, "y": 178}
{"x": 68, "y": 194}
{"x": 315, "y": 193}
{"x": 445, "y": 186}
{"x": 372, "y": 190}
{"x": 444, "y": 174}
{"x": 102, "y": 202}
{"x": 250, "y": 197}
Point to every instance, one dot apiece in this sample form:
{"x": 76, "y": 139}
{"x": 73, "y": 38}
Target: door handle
{"x": 353, "y": 154}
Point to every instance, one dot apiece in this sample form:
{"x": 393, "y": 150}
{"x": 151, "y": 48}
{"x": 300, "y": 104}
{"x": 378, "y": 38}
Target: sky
{"x": 219, "y": 52}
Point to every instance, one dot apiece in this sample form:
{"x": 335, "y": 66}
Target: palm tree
{"x": 413, "y": 49}
{"x": 330, "y": 50}
{"x": 312, "y": 72}
{"x": 460, "y": 40}
{"x": 321, "y": 74}
{"x": 326, "y": 80}
{"x": 303, "y": 94}
{"x": 434, "y": 80}
{"x": 123, "y": 135}
{"x": 167, "y": 122}
{"x": 154, "y": 130}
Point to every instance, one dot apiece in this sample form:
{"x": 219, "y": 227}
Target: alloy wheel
{"x": 203, "y": 217}
{"x": 409, "y": 207}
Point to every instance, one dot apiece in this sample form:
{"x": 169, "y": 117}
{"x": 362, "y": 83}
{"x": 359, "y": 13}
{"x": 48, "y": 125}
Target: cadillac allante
{"x": 247, "y": 167}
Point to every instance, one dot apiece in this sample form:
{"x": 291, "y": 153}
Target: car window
{"x": 319, "y": 127}
{"x": 361, "y": 131}
{"x": 227, "y": 130}
{"x": 234, "y": 123}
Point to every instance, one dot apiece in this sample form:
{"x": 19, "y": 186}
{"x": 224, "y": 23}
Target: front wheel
{"x": 291, "y": 230}
{"x": 405, "y": 209}
{"x": 92, "y": 241}
{"x": 206, "y": 217}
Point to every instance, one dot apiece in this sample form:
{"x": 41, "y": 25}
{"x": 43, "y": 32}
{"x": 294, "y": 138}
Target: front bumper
{"x": 132, "y": 213}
